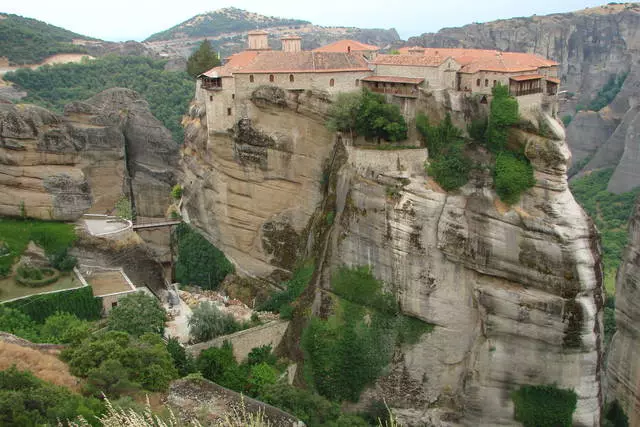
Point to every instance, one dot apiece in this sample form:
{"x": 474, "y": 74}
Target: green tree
{"x": 64, "y": 328}
{"x": 343, "y": 114}
{"x": 203, "y": 59}
{"x": 110, "y": 379}
{"x": 208, "y": 322}
{"x": 504, "y": 113}
{"x": 512, "y": 176}
{"x": 261, "y": 376}
{"x": 17, "y": 323}
{"x": 214, "y": 362}
{"x": 137, "y": 314}
{"x": 184, "y": 362}
{"x": 379, "y": 120}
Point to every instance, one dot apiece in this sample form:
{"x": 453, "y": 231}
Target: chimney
{"x": 291, "y": 44}
{"x": 416, "y": 50}
{"x": 258, "y": 40}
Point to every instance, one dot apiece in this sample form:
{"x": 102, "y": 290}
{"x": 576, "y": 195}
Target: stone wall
{"x": 244, "y": 341}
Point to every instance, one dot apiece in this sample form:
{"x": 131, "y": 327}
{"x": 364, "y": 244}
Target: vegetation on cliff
{"x": 168, "y": 92}
{"x": 367, "y": 114}
{"x": 544, "y": 406}
{"x": 349, "y": 350}
{"x": 281, "y": 301}
{"x": 605, "y": 95}
{"x": 610, "y": 212}
{"x": 203, "y": 59}
{"x": 199, "y": 262}
{"x": 29, "y": 41}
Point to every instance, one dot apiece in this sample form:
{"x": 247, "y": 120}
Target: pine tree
{"x": 202, "y": 59}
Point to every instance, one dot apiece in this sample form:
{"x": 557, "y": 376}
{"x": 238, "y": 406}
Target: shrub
{"x": 280, "y": 302}
{"x": 17, "y": 323}
{"x": 110, "y": 379}
{"x": 199, "y": 262}
{"x": 512, "y": 176}
{"x": 311, "y": 408}
{"x": 451, "y": 169}
{"x": 261, "y": 376}
{"x": 214, "y": 362}
{"x": 208, "y": 322}
{"x": 544, "y": 406}
{"x": 566, "y": 119}
{"x": 123, "y": 208}
{"x": 28, "y": 401}
{"x": 438, "y": 138}
{"x": 262, "y": 354}
{"x": 504, "y": 113}
{"x": 35, "y": 277}
{"x": 478, "y": 129}
{"x": 176, "y": 192}
{"x": 183, "y": 362}
{"x": 614, "y": 415}
{"x": 137, "y": 314}
{"x": 80, "y": 302}
{"x": 608, "y": 92}
{"x": 64, "y": 328}
{"x": 63, "y": 261}
{"x": 145, "y": 359}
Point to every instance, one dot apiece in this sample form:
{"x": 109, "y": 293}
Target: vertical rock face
{"x": 515, "y": 293}
{"x": 623, "y": 364}
{"x": 58, "y": 167}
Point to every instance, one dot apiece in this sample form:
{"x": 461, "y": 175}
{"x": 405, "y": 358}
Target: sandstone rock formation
{"x": 515, "y": 293}
{"x": 58, "y": 167}
{"x": 623, "y": 364}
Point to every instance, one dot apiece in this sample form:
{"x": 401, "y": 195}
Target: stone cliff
{"x": 623, "y": 364}
{"x": 59, "y": 167}
{"x": 515, "y": 293}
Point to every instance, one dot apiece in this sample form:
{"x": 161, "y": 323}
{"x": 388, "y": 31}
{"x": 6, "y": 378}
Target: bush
{"x": 262, "y": 375}
{"x": 208, "y": 322}
{"x": 35, "y": 277}
{"x": 28, "y": 401}
{"x": 79, "y": 302}
{"x": 183, "y": 362}
{"x": 478, "y": 129}
{"x": 512, "y": 176}
{"x": 137, "y": 314}
{"x": 176, "y": 192}
{"x": 504, "y": 113}
{"x": 110, "y": 379}
{"x": 64, "y": 328}
{"x": 311, "y": 408}
{"x": 123, "y": 208}
{"x": 262, "y": 354}
{"x": 199, "y": 262}
{"x": 145, "y": 360}
{"x": 63, "y": 261}
{"x": 17, "y": 323}
{"x": 544, "y": 406}
{"x": 608, "y": 92}
{"x": 280, "y": 302}
{"x": 614, "y": 415}
{"x": 368, "y": 114}
{"x": 566, "y": 119}
{"x": 451, "y": 169}
{"x": 214, "y": 362}
{"x": 438, "y": 138}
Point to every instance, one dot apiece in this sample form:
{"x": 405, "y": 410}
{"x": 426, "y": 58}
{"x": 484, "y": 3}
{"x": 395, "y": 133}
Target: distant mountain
{"x": 227, "y": 20}
{"x": 29, "y": 41}
{"x": 226, "y": 30}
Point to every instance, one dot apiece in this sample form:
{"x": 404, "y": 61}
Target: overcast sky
{"x": 119, "y": 20}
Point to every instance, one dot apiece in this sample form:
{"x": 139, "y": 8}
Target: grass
{"x": 9, "y": 289}
{"x": 16, "y": 233}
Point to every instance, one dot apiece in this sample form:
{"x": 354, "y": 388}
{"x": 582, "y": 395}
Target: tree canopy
{"x": 203, "y": 59}
{"x": 138, "y": 314}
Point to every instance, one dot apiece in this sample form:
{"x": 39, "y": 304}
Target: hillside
{"x": 227, "y": 20}
{"x": 28, "y": 41}
{"x": 227, "y": 28}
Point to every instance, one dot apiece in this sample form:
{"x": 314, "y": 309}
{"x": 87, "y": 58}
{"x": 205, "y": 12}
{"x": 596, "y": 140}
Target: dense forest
{"x": 220, "y": 22}
{"x": 29, "y": 41}
{"x": 168, "y": 92}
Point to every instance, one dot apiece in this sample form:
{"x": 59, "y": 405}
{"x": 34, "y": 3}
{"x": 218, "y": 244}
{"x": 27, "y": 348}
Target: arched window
{"x": 250, "y": 78}
{"x": 291, "y": 78}
{"x": 478, "y": 82}
{"x": 271, "y": 78}
{"x": 332, "y": 82}
{"x": 495, "y": 83}
{"x": 486, "y": 82}
{"x": 348, "y": 49}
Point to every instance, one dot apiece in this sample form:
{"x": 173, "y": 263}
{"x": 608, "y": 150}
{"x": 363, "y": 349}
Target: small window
{"x": 228, "y": 111}
{"x": 332, "y": 82}
{"x": 495, "y": 83}
{"x": 486, "y": 82}
{"x": 478, "y": 82}
{"x": 233, "y": 96}
{"x": 250, "y": 78}
{"x": 348, "y": 49}
{"x": 114, "y": 304}
{"x": 271, "y": 78}
{"x": 210, "y": 97}
{"x": 291, "y": 78}
{"x": 357, "y": 82}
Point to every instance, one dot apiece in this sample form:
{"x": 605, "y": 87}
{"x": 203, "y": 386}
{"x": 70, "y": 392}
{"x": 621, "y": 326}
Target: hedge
{"x": 47, "y": 279}
{"x": 80, "y": 302}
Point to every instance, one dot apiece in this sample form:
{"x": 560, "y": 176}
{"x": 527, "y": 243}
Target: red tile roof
{"x": 393, "y": 79}
{"x": 257, "y": 33}
{"x": 410, "y": 60}
{"x": 304, "y": 62}
{"x": 553, "y": 80}
{"x": 526, "y": 77}
{"x": 474, "y": 60}
{"x": 344, "y": 45}
{"x": 233, "y": 63}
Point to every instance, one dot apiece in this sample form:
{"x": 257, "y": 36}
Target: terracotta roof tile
{"x": 553, "y": 80}
{"x": 526, "y": 77}
{"x": 304, "y": 62}
{"x": 393, "y": 79}
{"x": 233, "y": 63}
{"x": 410, "y": 60}
{"x": 474, "y": 60}
{"x": 344, "y": 45}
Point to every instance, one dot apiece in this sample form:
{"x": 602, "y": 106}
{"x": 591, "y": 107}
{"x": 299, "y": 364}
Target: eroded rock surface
{"x": 59, "y": 167}
{"x": 623, "y": 364}
{"x": 515, "y": 293}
